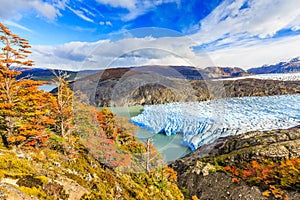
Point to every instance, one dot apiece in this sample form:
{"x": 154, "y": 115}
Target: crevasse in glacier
{"x": 203, "y": 122}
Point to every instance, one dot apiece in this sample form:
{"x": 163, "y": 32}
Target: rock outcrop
{"x": 276, "y": 145}
{"x": 134, "y": 88}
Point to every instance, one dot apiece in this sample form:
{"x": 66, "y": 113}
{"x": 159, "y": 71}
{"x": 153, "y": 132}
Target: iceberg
{"x": 204, "y": 122}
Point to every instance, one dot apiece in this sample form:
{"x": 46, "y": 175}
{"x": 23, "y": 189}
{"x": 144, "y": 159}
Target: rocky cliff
{"x": 149, "y": 89}
{"x": 217, "y": 171}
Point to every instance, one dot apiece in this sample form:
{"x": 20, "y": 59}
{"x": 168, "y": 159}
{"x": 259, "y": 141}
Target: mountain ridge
{"x": 292, "y": 65}
{"x": 173, "y": 71}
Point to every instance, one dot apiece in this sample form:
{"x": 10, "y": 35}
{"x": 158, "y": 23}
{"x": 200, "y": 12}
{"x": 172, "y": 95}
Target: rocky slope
{"x": 147, "y": 85}
{"x": 202, "y": 173}
{"x": 51, "y": 175}
{"x": 109, "y": 163}
{"x": 134, "y": 88}
{"x": 224, "y": 72}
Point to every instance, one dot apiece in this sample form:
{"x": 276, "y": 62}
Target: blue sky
{"x": 89, "y": 34}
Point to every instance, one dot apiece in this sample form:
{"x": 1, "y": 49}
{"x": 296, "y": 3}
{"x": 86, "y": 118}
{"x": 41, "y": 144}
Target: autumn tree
{"x": 24, "y": 109}
{"x": 85, "y": 117}
{"x": 148, "y": 153}
{"x": 64, "y": 107}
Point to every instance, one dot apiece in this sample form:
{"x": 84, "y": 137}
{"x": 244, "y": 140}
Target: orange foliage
{"x": 194, "y": 197}
{"x": 248, "y": 173}
{"x": 277, "y": 175}
{"x": 171, "y": 174}
{"x": 277, "y": 192}
{"x": 233, "y": 170}
{"x": 104, "y": 137}
{"x": 235, "y": 180}
{"x": 24, "y": 109}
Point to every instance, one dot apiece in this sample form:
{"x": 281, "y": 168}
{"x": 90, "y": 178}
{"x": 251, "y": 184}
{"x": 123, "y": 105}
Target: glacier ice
{"x": 295, "y": 76}
{"x": 203, "y": 122}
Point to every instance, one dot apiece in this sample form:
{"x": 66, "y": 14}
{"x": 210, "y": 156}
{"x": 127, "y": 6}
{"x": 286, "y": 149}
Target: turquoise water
{"x": 204, "y": 122}
{"x": 47, "y": 87}
{"x": 169, "y": 146}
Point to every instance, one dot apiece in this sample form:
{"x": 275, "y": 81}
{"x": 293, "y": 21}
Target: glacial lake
{"x": 170, "y": 146}
{"x": 47, "y": 87}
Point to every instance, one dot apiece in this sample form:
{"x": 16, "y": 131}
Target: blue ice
{"x": 204, "y": 122}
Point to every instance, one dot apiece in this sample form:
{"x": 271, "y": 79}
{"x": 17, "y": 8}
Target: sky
{"x": 99, "y": 34}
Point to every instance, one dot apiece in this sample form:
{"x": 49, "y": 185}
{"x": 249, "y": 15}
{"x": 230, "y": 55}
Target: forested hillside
{"x": 57, "y": 146}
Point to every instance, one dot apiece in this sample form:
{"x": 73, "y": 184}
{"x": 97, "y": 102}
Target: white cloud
{"x": 66, "y": 56}
{"x": 125, "y": 52}
{"x": 80, "y": 14}
{"x": 135, "y": 7}
{"x": 107, "y": 23}
{"x": 164, "y": 51}
{"x": 239, "y": 35}
{"x": 234, "y": 37}
{"x": 260, "y": 18}
{"x": 128, "y": 4}
{"x": 258, "y": 54}
{"x": 14, "y": 24}
{"x": 88, "y": 12}
{"x": 11, "y": 9}
{"x": 45, "y": 9}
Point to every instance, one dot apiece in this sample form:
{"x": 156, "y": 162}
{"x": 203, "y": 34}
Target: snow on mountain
{"x": 275, "y": 76}
{"x": 292, "y": 65}
{"x": 203, "y": 122}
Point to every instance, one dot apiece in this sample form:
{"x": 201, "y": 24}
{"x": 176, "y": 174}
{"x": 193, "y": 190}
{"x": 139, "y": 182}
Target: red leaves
{"x": 275, "y": 175}
{"x": 233, "y": 170}
{"x": 111, "y": 143}
{"x": 248, "y": 173}
{"x": 32, "y": 143}
{"x": 235, "y": 180}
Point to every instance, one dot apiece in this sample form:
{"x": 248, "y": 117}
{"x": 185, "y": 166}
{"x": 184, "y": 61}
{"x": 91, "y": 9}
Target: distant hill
{"x": 225, "y": 72}
{"x": 159, "y": 85}
{"x": 47, "y": 74}
{"x": 147, "y": 85}
{"x": 180, "y": 72}
{"x": 41, "y": 74}
{"x": 282, "y": 67}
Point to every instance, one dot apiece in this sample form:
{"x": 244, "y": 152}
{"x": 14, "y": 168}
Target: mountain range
{"x": 181, "y": 72}
{"x": 282, "y": 67}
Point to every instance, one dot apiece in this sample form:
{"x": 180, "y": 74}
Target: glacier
{"x": 203, "y": 122}
{"x": 293, "y": 76}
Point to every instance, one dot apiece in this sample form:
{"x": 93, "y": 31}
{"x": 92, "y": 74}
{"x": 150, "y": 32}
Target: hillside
{"x": 181, "y": 72}
{"x": 256, "y": 165}
{"x": 147, "y": 85}
{"x": 137, "y": 88}
{"x": 54, "y": 173}
{"x": 60, "y": 147}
